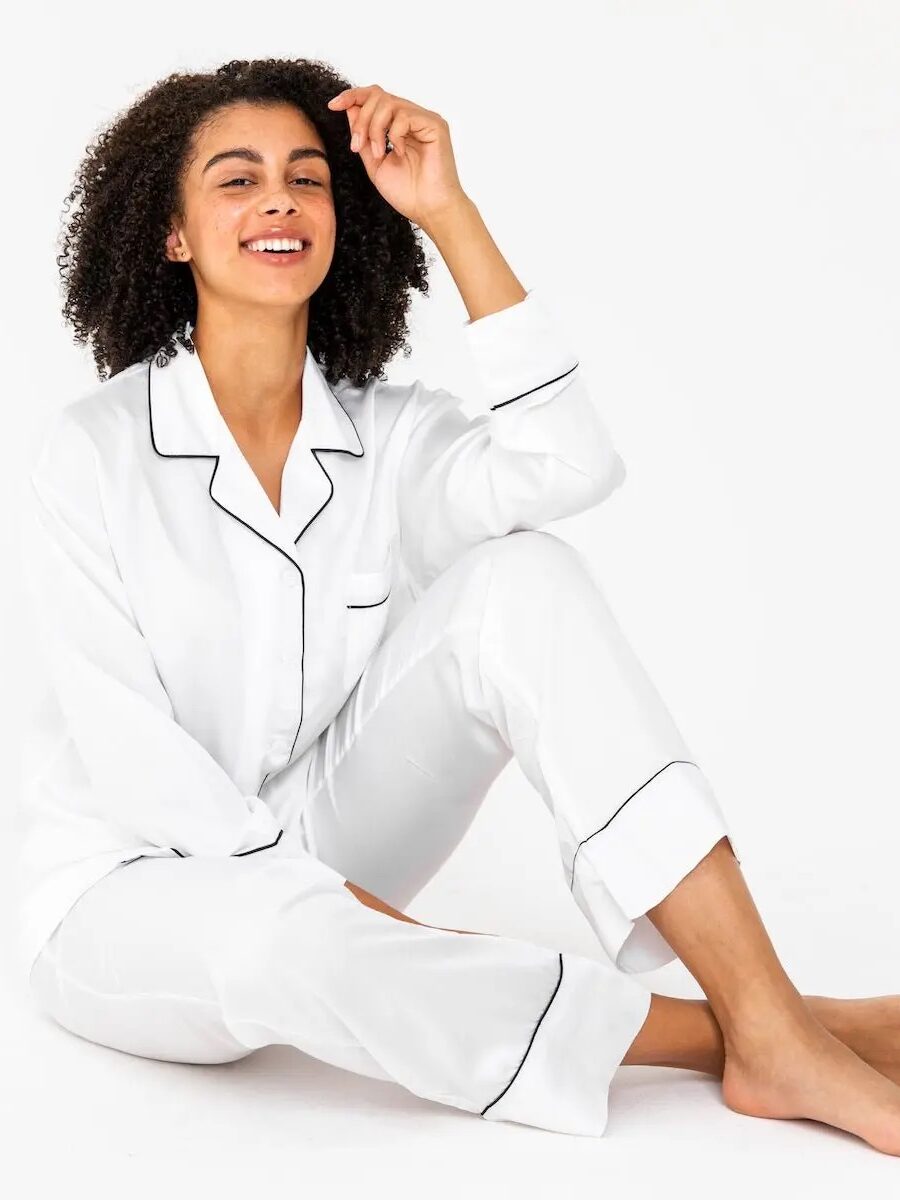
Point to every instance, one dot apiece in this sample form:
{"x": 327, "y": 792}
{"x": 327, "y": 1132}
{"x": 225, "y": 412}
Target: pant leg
{"x": 514, "y": 651}
{"x": 203, "y": 960}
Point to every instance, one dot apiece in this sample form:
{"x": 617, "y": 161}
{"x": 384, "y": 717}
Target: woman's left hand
{"x": 418, "y": 176}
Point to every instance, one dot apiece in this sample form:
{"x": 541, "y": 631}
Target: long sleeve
{"x": 540, "y": 453}
{"x": 147, "y": 774}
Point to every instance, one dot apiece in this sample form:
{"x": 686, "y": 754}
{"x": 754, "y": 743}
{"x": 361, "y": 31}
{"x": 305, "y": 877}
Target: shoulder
{"x": 97, "y": 422}
{"x": 374, "y": 394}
{"x": 382, "y": 411}
{"x": 406, "y": 403}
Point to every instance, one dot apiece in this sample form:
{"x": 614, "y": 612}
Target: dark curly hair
{"x": 132, "y": 303}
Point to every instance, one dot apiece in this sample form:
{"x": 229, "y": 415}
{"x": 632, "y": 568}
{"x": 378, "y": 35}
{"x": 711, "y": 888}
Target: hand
{"x": 418, "y": 176}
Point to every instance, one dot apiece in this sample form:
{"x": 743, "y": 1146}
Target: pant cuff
{"x": 633, "y": 862}
{"x": 562, "y": 1082}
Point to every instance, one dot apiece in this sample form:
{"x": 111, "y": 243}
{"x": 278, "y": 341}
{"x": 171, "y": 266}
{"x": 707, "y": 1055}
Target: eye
{"x": 299, "y": 179}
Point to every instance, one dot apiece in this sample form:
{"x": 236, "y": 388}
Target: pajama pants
{"x": 512, "y": 651}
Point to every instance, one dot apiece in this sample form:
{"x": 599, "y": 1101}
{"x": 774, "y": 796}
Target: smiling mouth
{"x": 278, "y": 256}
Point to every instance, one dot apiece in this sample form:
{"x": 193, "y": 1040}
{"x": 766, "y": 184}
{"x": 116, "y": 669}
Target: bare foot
{"x": 869, "y": 1025}
{"x": 804, "y": 1071}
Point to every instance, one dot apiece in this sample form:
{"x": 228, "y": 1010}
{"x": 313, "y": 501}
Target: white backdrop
{"x": 708, "y": 196}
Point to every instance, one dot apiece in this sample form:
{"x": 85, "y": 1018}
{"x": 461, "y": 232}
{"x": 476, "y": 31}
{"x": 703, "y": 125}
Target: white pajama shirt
{"x": 200, "y": 648}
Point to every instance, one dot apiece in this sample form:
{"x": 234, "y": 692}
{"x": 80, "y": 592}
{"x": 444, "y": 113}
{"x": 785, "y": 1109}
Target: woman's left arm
{"x": 542, "y": 450}
{"x": 484, "y": 277}
{"x": 417, "y": 176}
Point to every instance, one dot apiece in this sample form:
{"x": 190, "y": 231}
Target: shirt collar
{"x": 185, "y": 422}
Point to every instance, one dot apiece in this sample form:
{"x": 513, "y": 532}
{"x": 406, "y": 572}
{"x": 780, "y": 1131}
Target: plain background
{"x": 707, "y": 195}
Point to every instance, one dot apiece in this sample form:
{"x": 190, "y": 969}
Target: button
{"x": 291, "y": 576}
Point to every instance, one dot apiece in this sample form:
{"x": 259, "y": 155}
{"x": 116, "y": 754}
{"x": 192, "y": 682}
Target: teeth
{"x": 277, "y": 244}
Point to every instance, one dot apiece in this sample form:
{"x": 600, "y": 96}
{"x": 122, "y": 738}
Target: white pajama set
{"x": 245, "y": 708}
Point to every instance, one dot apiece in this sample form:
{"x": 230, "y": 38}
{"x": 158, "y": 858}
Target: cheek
{"x": 230, "y": 218}
{"x": 224, "y": 219}
{"x": 216, "y": 244}
{"x": 323, "y": 216}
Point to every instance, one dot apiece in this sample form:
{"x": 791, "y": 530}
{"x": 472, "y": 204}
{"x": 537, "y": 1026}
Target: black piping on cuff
{"x": 685, "y": 761}
{"x": 531, "y": 1041}
{"x": 534, "y": 389}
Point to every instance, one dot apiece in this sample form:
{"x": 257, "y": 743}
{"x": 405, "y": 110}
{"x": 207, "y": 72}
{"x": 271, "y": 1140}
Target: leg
{"x": 203, "y": 960}
{"x": 779, "y": 1060}
{"x": 514, "y": 650}
{"x": 685, "y": 1033}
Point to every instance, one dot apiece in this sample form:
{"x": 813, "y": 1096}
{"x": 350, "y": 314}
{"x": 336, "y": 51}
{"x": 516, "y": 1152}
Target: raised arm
{"x": 540, "y": 452}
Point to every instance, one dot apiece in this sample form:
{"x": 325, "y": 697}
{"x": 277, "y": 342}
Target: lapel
{"x": 185, "y": 422}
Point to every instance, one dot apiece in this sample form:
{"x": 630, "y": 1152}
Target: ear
{"x": 175, "y": 251}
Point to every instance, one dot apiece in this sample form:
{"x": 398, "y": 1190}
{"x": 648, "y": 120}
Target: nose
{"x": 274, "y": 204}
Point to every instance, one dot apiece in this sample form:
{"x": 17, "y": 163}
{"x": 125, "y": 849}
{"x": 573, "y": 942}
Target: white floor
{"x": 87, "y": 1118}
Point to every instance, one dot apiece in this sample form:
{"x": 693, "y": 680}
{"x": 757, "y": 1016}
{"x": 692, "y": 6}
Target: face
{"x": 251, "y": 169}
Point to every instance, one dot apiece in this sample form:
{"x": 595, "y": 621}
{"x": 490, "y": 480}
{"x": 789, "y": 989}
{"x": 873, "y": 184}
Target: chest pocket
{"x": 367, "y": 599}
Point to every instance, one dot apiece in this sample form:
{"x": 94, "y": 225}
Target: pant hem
{"x": 562, "y": 1084}
{"x": 642, "y": 853}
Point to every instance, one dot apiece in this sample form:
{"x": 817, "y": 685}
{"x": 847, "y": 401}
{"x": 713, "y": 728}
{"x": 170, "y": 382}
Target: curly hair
{"x": 124, "y": 297}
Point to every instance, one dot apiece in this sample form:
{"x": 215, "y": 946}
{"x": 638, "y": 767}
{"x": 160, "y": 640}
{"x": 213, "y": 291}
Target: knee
{"x": 533, "y": 564}
{"x": 543, "y": 596}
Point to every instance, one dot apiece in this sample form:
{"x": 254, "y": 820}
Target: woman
{"x": 245, "y": 770}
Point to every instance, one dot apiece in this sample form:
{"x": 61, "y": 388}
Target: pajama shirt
{"x": 245, "y": 708}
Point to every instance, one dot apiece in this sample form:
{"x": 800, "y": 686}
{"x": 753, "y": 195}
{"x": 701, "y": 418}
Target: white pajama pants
{"x": 512, "y": 651}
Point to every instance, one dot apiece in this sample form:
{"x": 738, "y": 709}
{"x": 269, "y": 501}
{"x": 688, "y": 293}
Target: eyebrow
{"x": 250, "y": 155}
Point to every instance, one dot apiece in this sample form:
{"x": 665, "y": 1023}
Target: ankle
{"x": 679, "y": 1033}
{"x": 758, "y": 1032}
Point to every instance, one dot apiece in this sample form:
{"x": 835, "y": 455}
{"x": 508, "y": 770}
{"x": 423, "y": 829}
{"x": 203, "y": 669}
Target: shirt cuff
{"x": 518, "y": 351}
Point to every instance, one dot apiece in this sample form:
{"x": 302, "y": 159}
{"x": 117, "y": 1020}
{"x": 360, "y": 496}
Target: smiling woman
{"x": 251, "y": 756}
{"x": 166, "y": 198}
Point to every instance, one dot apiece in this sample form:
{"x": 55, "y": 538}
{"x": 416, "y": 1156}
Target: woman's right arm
{"x": 147, "y": 774}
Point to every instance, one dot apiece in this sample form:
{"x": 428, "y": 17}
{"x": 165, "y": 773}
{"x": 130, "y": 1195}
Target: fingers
{"x": 374, "y": 116}
{"x": 398, "y": 129}
{"x": 386, "y": 120}
{"x": 363, "y": 129}
{"x": 347, "y": 96}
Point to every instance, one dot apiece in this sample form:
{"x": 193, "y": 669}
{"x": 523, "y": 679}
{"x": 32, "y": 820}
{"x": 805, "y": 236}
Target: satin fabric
{"x": 193, "y": 642}
{"x": 512, "y": 652}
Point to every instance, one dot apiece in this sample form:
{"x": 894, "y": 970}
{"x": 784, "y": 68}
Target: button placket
{"x": 290, "y": 657}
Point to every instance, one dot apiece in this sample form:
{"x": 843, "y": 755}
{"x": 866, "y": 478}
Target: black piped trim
{"x": 375, "y": 605}
{"x": 621, "y": 806}
{"x": 534, "y": 389}
{"x": 316, "y": 450}
{"x": 241, "y": 853}
{"x": 530, "y": 1043}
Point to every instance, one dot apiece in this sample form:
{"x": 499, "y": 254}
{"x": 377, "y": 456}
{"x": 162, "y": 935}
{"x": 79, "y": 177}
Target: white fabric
{"x": 196, "y": 641}
{"x": 205, "y": 958}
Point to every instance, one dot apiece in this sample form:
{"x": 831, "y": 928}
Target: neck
{"x": 255, "y": 368}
